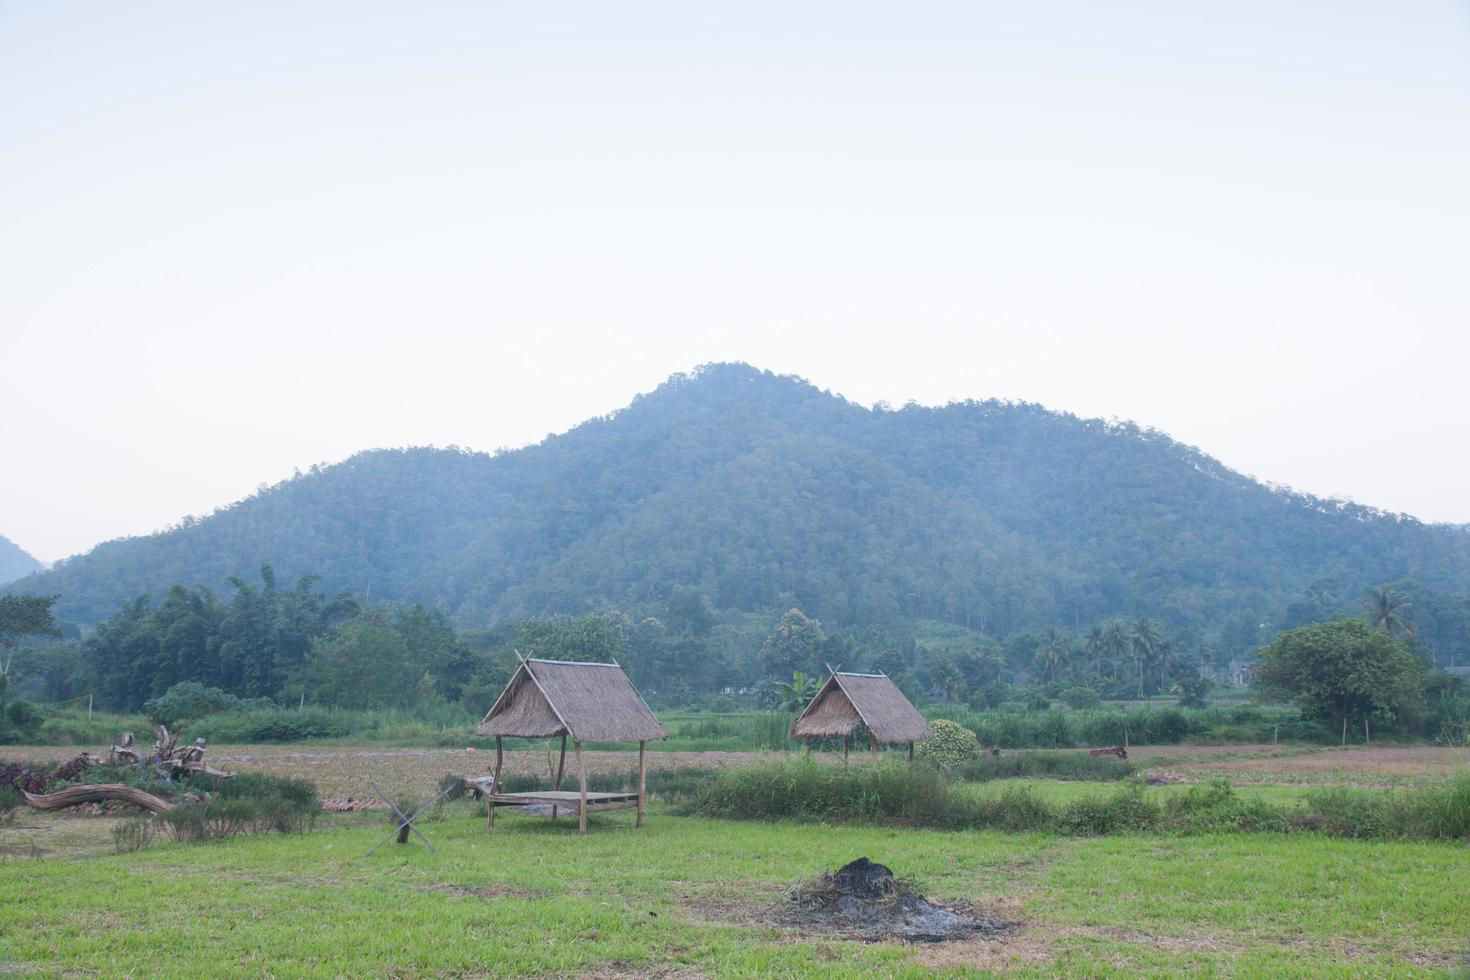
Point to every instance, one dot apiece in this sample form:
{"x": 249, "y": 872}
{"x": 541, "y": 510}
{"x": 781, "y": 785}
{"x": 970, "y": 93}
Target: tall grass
{"x": 921, "y": 796}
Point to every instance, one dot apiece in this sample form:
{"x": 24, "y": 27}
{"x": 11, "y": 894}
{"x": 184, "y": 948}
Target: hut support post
{"x": 642, "y": 785}
{"x": 911, "y": 752}
{"x": 494, "y": 784}
{"x": 846, "y": 744}
{"x": 873, "y": 741}
{"x": 582, "y": 779}
{"x": 561, "y": 764}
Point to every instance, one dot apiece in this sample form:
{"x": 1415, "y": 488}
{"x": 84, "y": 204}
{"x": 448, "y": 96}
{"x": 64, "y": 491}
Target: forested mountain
{"x": 762, "y": 493}
{"x": 14, "y": 562}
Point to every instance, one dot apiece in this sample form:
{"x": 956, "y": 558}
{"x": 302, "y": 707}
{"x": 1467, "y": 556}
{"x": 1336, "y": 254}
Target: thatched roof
{"x": 589, "y": 702}
{"x": 849, "y": 700}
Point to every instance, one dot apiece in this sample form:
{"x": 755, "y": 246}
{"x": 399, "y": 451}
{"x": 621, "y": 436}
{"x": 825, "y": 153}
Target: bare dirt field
{"x": 1385, "y": 765}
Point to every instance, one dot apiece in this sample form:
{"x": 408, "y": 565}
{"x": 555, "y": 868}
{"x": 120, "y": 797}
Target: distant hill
{"x": 14, "y": 562}
{"x": 763, "y": 492}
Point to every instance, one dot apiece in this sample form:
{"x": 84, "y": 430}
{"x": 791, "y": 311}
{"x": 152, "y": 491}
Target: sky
{"x": 240, "y": 239}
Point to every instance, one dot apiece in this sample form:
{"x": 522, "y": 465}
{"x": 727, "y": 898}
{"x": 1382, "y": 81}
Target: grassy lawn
{"x": 689, "y": 896}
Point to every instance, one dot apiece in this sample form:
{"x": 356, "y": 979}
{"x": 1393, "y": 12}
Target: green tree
{"x": 364, "y": 664}
{"x": 1052, "y": 652}
{"x": 794, "y": 695}
{"x": 948, "y": 679}
{"x": 1145, "y": 638}
{"x": 1387, "y": 609}
{"x": 793, "y": 645}
{"x": 1344, "y": 672}
{"x": 1095, "y": 647}
{"x": 22, "y": 617}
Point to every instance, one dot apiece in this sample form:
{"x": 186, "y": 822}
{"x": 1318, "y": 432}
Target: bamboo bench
{"x": 556, "y": 799}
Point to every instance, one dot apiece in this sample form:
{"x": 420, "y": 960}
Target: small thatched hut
{"x": 586, "y": 702}
{"x": 870, "y": 700}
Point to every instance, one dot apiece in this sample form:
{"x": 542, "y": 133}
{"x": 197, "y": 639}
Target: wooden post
{"x": 642, "y": 785}
{"x": 1365, "y": 729}
{"x": 846, "y": 742}
{"x": 494, "y": 785}
{"x": 873, "y": 741}
{"x": 561, "y": 764}
{"x": 911, "y": 753}
{"x": 581, "y": 778}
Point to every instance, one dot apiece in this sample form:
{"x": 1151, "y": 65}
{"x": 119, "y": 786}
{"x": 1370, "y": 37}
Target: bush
{"x": 1439, "y": 813}
{"x": 1126, "y": 810}
{"x": 952, "y": 745}
{"x": 1081, "y": 697}
{"x": 922, "y": 796}
{"x": 190, "y": 701}
{"x": 1217, "y": 807}
{"x": 132, "y": 835}
{"x": 272, "y": 725}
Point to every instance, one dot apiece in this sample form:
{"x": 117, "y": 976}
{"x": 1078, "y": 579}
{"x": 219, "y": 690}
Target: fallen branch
{"x": 74, "y": 795}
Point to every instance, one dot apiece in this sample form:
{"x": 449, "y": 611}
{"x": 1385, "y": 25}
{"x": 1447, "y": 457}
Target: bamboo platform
{"x": 572, "y": 802}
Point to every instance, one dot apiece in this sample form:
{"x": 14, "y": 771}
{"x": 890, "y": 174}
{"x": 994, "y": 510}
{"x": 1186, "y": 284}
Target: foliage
{"x": 952, "y": 745}
{"x": 189, "y": 701}
{"x": 921, "y": 796}
{"x": 741, "y": 492}
{"x": 795, "y": 696}
{"x": 1341, "y": 672}
{"x": 1081, "y": 697}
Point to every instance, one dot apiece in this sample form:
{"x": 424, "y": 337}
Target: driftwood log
{"x": 75, "y": 795}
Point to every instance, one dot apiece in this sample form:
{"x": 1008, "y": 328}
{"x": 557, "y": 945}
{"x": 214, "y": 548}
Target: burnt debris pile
{"x": 863, "y": 899}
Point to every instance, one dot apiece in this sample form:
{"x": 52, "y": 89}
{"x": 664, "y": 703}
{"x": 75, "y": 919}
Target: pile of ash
{"x": 863, "y": 899}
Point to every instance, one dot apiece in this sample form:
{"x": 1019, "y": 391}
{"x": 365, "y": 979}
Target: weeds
{"x": 921, "y": 796}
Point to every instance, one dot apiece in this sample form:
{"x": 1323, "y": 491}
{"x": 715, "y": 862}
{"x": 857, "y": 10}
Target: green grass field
{"x": 687, "y": 896}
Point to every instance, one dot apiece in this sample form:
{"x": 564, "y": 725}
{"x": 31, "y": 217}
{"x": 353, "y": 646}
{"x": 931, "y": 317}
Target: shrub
{"x": 272, "y": 725}
{"x": 952, "y": 745}
{"x": 132, "y": 835}
{"x": 289, "y": 806}
{"x": 190, "y": 701}
{"x": 1124, "y": 811}
{"x": 1217, "y": 807}
{"x": 1081, "y": 697}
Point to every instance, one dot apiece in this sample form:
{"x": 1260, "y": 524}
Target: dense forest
{"x": 758, "y": 494}
{"x": 14, "y": 562}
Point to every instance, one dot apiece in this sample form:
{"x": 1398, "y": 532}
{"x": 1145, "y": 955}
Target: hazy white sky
{"x": 236, "y": 239}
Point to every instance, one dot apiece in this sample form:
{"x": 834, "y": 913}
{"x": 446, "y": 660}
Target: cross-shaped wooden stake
{"x": 406, "y": 822}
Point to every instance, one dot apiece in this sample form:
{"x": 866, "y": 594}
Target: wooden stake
{"x": 581, "y": 778}
{"x": 873, "y": 741}
{"x": 846, "y": 743}
{"x": 911, "y": 753}
{"x": 494, "y": 785}
{"x": 561, "y": 764}
{"x": 1365, "y": 729}
{"x": 642, "y": 785}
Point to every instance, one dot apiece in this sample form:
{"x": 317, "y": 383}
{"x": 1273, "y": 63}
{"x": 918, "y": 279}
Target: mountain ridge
{"x": 16, "y": 562}
{"x": 760, "y": 490}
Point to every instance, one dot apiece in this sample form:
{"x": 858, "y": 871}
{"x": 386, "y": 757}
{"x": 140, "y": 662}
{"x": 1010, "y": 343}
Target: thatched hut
{"x": 848, "y": 701}
{"x": 582, "y": 701}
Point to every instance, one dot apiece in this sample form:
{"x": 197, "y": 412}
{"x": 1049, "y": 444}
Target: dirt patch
{"x": 863, "y": 900}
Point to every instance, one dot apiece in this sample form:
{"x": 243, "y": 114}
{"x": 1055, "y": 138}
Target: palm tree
{"x": 1144, "y": 638}
{"x": 1385, "y": 607}
{"x": 948, "y": 679}
{"x": 1052, "y": 652}
{"x": 1117, "y": 642}
{"x": 1095, "y": 646}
